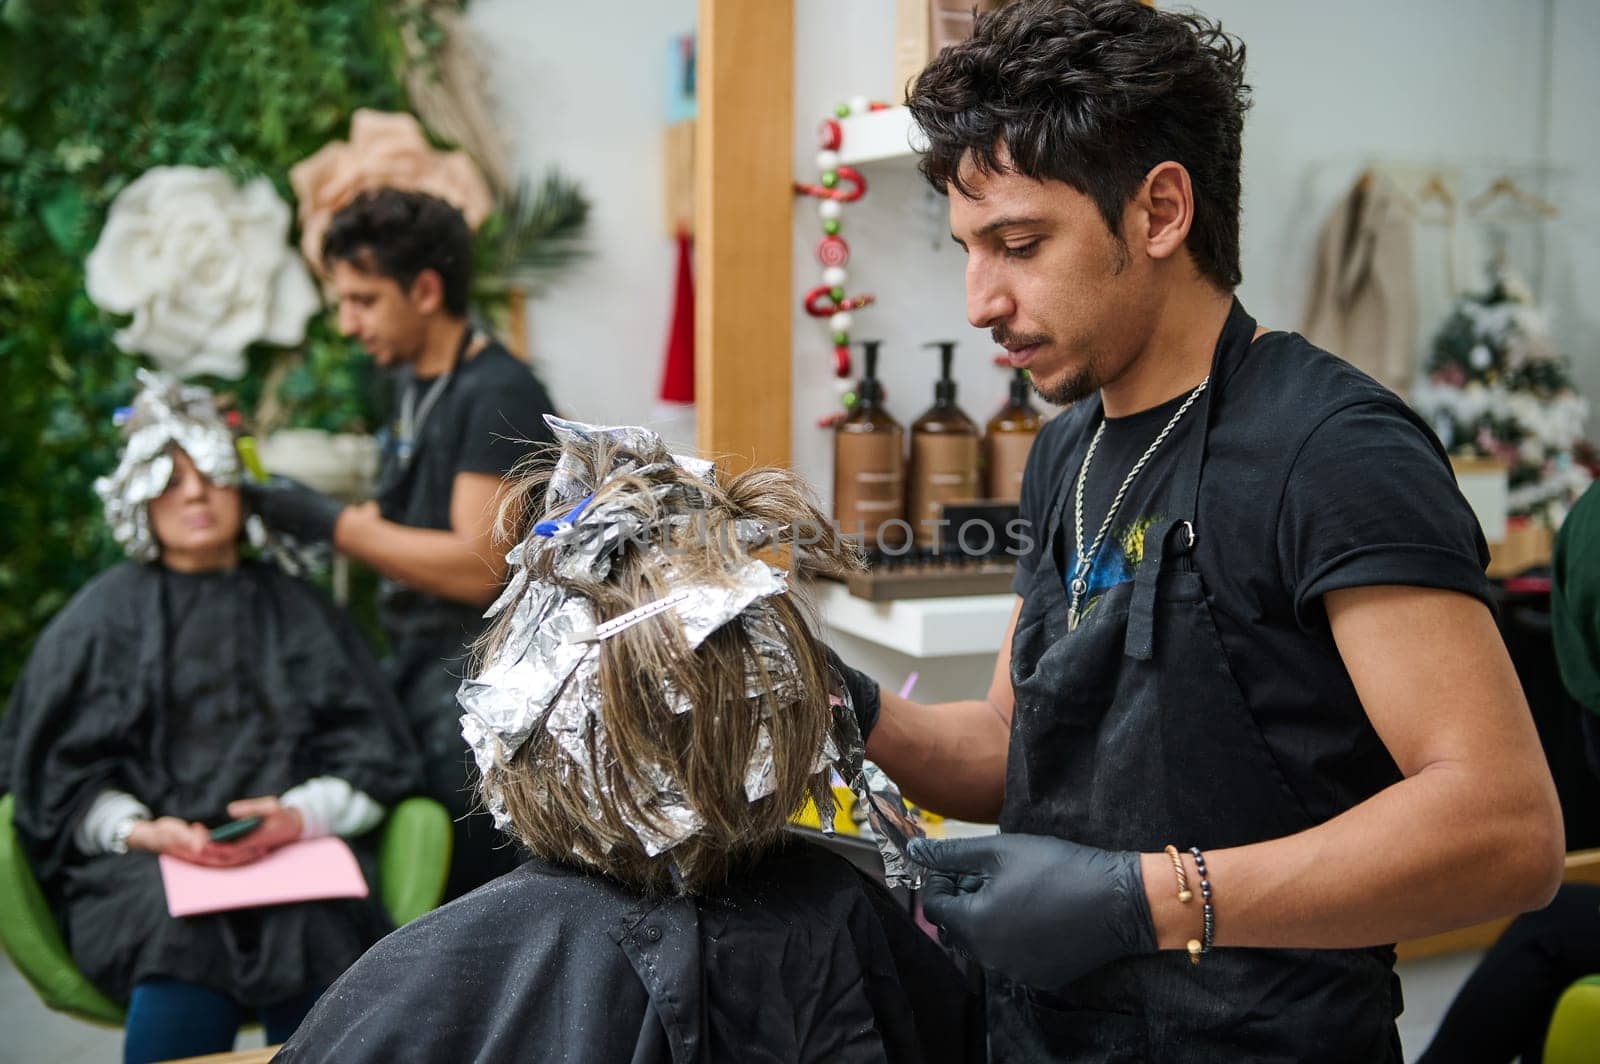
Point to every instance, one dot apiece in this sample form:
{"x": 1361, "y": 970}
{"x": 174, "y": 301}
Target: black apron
{"x": 429, "y": 652}
{"x": 1131, "y": 733}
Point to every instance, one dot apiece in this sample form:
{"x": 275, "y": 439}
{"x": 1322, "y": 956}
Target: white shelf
{"x": 919, "y": 628}
{"x": 886, "y": 134}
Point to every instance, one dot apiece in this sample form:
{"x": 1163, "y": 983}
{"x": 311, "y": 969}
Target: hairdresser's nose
{"x": 989, "y": 298}
{"x": 348, "y": 325}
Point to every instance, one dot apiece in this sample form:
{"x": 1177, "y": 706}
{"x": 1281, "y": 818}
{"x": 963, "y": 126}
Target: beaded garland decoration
{"x": 836, "y": 186}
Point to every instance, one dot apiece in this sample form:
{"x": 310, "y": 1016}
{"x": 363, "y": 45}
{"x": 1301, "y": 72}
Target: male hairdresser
{"x": 466, "y": 412}
{"x": 1255, "y": 629}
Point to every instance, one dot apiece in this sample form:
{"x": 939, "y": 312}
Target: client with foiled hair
{"x": 651, "y": 707}
{"x": 181, "y": 688}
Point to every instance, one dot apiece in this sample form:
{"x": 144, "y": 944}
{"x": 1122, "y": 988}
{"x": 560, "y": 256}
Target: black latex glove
{"x": 1037, "y": 910}
{"x": 863, "y": 691}
{"x": 288, "y": 506}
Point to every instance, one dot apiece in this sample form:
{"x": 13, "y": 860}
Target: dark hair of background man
{"x": 397, "y": 235}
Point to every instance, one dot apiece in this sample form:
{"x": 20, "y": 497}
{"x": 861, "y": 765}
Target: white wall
{"x": 1456, "y": 81}
{"x": 1573, "y": 282}
{"x": 582, "y": 86}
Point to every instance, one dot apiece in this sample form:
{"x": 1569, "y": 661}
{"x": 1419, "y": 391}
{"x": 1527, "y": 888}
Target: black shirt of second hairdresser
{"x": 490, "y": 416}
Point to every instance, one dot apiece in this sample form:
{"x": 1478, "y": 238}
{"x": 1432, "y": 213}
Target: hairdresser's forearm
{"x": 949, "y": 759}
{"x": 447, "y": 564}
{"x": 1453, "y": 845}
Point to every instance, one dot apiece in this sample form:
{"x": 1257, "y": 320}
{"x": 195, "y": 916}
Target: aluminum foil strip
{"x": 514, "y": 691}
{"x": 893, "y": 824}
{"x": 761, "y": 774}
{"x": 712, "y": 606}
{"x": 886, "y": 811}
{"x": 565, "y": 481}
{"x": 772, "y": 668}
{"x": 670, "y": 819}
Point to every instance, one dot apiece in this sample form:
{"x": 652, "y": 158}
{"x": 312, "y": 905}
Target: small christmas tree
{"x": 1497, "y": 388}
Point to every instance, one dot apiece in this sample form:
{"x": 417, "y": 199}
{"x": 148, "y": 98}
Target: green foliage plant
{"x": 92, "y": 94}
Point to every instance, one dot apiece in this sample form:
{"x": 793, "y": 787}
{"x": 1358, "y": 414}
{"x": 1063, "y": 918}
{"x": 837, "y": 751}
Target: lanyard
{"x": 414, "y": 416}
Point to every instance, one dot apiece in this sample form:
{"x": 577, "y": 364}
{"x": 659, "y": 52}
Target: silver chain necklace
{"x": 412, "y": 415}
{"x": 1080, "y": 568}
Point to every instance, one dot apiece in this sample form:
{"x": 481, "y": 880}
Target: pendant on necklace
{"x": 1072, "y": 618}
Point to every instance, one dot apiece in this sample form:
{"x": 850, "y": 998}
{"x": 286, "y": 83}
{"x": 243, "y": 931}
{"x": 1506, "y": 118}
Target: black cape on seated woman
{"x": 189, "y": 691}
{"x": 799, "y": 959}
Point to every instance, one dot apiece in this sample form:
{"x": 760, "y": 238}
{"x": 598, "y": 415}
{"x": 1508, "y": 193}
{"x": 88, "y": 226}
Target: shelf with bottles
{"x": 938, "y": 518}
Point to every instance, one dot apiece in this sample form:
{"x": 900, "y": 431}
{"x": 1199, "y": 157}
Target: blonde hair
{"x": 691, "y": 719}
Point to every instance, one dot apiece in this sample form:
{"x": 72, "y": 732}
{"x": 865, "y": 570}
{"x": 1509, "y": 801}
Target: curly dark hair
{"x": 1095, "y": 93}
{"x": 398, "y": 234}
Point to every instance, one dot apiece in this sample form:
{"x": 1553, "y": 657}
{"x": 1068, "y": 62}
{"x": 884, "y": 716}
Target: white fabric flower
{"x": 205, "y": 268}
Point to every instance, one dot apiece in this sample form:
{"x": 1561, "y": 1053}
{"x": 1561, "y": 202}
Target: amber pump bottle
{"x": 869, "y": 466}
{"x": 1007, "y": 440}
{"x": 944, "y": 455}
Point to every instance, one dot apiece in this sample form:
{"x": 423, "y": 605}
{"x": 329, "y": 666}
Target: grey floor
{"x": 32, "y": 1034}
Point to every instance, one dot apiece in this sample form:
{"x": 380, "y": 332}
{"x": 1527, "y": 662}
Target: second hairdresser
{"x": 466, "y": 412}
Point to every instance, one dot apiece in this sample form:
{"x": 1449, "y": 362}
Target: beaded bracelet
{"x": 1202, "y": 945}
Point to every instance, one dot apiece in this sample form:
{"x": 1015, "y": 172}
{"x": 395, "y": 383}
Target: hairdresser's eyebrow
{"x": 1018, "y": 221}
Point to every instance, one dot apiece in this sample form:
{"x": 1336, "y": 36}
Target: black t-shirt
{"x": 1316, "y": 478}
{"x": 489, "y": 416}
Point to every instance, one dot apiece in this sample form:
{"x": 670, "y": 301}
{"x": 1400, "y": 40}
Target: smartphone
{"x": 235, "y": 829}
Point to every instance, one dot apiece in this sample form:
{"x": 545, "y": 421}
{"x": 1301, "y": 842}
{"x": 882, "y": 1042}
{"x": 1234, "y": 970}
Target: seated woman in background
{"x": 652, "y": 707}
{"x": 183, "y": 688}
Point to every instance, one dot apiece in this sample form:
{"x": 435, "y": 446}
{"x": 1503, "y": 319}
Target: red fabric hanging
{"x": 677, "y": 372}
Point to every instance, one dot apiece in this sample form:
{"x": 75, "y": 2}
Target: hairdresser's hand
{"x": 863, "y": 691}
{"x": 288, "y": 506}
{"x": 1037, "y": 910}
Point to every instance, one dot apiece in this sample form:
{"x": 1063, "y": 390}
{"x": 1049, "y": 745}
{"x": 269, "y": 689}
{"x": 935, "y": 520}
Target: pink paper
{"x": 307, "y": 870}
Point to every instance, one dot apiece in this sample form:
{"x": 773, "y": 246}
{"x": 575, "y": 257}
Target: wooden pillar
{"x": 743, "y": 211}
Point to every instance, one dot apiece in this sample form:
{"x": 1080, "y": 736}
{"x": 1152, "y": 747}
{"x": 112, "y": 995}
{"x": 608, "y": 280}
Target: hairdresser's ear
{"x": 427, "y": 292}
{"x": 1164, "y": 210}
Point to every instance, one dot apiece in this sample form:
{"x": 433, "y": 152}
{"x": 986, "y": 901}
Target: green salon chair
{"x": 413, "y": 861}
{"x": 1574, "y": 1035}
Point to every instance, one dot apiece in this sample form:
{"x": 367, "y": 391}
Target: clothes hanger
{"x": 1434, "y": 191}
{"x": 1524, "y": 204}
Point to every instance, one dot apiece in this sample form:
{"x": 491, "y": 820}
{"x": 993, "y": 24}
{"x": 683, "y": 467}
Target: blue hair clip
{"x": 550, "y": 528}
{"x": 120, "y": 416}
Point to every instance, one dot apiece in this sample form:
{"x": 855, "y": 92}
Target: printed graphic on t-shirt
{"x": 1115, "y": 562}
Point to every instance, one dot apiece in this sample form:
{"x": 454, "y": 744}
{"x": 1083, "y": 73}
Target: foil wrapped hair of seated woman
{"x": 650, "y": 707}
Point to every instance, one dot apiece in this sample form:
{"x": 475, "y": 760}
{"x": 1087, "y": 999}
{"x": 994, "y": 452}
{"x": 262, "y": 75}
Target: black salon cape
{"x": 189, "y": 691}
{"x": 802, "y": 959}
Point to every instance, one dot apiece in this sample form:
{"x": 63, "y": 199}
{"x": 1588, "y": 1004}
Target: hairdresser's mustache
{"x": 1013, "y": 341}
